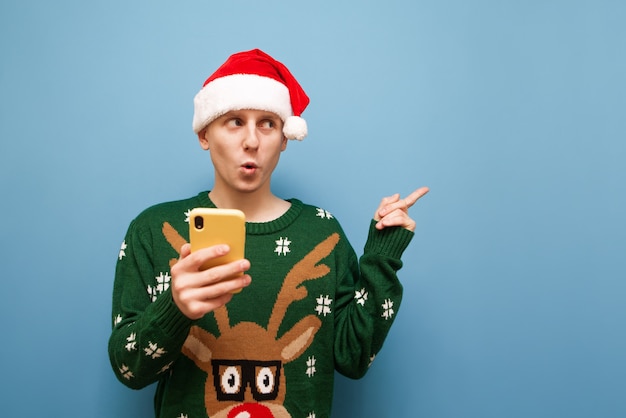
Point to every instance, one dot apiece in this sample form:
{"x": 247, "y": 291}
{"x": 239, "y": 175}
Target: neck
{"x": 257, "y": 206}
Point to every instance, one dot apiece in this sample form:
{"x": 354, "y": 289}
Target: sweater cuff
{"x": 168, "y": 317}
{"x": 390, "y": 241}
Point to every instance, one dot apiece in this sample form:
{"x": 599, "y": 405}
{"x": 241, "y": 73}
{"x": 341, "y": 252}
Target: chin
{"x": 248, "y": 189}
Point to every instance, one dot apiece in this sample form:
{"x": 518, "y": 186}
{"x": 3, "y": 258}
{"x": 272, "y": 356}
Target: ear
{"x": 204, "y": 143}
{"x": 299, "y": 338}
{"x": 284, "y": 144}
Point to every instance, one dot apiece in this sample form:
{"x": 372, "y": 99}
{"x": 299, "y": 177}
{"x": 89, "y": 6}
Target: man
{"x": 308, "y": 305}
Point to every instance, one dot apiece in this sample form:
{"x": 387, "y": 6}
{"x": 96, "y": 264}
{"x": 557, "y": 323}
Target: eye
{"x": 265, "y": 380}
{"x": 234, "y": 123}
{"x": 267, "y": 124}
{"x": 231, "y": 380}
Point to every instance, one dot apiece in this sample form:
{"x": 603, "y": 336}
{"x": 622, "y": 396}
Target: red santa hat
{"x": 252, "y": 80}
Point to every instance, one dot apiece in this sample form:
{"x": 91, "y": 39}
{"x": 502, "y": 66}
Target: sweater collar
{"x": 260, "y": 228}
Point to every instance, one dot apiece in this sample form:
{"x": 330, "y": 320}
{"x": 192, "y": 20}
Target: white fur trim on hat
{"x": 242, "y": 91}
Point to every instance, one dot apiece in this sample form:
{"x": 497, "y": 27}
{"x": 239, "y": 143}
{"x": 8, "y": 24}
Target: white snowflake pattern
{"x": 132, "y": 342}
{"x": 163, "y": 283}
{"x": 387, "y": 309}
{"x": 360, "y": 296}
{"x": 122, "y": 250}
{"x": 182, "y": 416}
{"x": 282, "y": 246}
{"x": 152, "y": 292}
{"x": 323, "y": 305}
{"x": 324, "y": 214}
{"x": 117, "y": 319}
{"x": 311, "y": 415}
{"x": 187, "y": 213}
{"x": 125, "y": 372}
{"x": 153, "y": 350}
{"x": 310, "y": 366}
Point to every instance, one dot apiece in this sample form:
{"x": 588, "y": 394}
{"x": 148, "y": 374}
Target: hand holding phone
{"x": 195, "y": 291}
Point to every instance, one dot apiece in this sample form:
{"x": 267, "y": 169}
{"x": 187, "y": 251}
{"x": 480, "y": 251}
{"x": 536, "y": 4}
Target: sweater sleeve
{"x": 148, "y": 328}
{"x": 369, "y": 294}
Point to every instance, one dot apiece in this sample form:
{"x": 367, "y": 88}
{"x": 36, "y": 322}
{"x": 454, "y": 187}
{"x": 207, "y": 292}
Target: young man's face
{"x": 245, "y": 147}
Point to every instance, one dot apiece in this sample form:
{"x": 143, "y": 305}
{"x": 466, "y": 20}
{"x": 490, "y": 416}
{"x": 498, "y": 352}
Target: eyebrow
{"x": 264, "y": 114}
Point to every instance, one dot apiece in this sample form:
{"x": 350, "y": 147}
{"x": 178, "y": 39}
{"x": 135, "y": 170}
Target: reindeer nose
{"x": 250, "y": 410}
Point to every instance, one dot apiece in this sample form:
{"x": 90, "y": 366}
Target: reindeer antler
{"x": 305, "y": 269}
{"x": 173, "y": 237}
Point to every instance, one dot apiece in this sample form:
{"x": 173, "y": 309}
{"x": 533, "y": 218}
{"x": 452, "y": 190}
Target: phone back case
{"x": 211, "y": 226}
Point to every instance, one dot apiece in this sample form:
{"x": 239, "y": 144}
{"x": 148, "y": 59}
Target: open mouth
{"x": 249, "y": 168}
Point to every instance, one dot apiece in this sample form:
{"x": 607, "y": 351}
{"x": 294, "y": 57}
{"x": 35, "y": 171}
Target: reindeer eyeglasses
{"x": 231, "y": 377}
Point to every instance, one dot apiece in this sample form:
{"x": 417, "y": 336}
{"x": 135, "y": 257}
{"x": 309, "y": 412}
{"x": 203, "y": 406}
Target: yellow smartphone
{"x": 212, "y": 226}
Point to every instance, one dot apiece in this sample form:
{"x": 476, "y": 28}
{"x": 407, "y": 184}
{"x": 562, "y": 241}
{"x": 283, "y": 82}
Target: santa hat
{"x": 252, "y": 80}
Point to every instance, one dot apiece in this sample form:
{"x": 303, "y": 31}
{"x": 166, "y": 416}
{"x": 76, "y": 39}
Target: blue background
{"x": 513, "y": 112}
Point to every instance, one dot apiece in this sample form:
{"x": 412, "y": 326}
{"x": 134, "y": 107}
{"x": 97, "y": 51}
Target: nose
{"x": 250, "y": 410}
{"x": 251, "y": 139}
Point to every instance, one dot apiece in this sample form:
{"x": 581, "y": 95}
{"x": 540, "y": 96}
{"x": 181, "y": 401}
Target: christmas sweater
{"x": 312, "y": 308}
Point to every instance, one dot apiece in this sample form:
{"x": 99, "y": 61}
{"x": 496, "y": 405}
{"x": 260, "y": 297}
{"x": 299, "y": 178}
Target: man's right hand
{"x": 197, "y": 292}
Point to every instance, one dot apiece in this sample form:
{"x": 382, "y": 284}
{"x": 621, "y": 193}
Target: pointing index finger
{"x": 415, "y": 196}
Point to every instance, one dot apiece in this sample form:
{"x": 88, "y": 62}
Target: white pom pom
{"x": 295, "y": 128}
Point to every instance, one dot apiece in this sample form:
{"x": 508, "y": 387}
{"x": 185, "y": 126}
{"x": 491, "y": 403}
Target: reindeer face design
{"x": 245, "y": 362}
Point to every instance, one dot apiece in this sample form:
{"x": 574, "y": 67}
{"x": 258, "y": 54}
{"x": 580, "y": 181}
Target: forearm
{"x": 370, "y": 301}
{"x": 143, "y": 346}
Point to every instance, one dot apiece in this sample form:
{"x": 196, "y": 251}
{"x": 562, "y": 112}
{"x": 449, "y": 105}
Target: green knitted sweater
{"x": 312, "y": 308}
